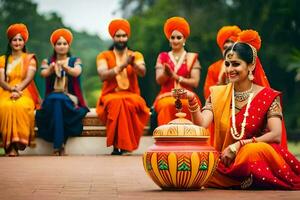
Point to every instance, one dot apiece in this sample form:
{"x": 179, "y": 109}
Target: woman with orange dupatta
{"x": 249, "y": 129}
{"x": 226, "y": 36}
{"x": 18, "y": 94}
{"x": 120, "y": 105}
{"x": 175, "y": 69}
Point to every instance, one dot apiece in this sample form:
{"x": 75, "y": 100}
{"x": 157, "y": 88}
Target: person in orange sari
{"x": 249, "y": 129}
{"x": 226, "y": 36}
{"x": 18, "y": 94}
{"x": 175, "y": 69}
{"x": 120, "y": 105}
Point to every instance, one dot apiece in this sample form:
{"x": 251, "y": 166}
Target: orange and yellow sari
{"x": 256, "y": 165}
{"x": 164, "y": 103}
{"x": 17, "y": 116}
{"x": 124, "y": 111}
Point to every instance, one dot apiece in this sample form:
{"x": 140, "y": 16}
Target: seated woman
{"x": 175, "y": 69}
{"x": 18, "y": 94}
{"x": 249, "y": 130}
{"x": 64, "y": 107}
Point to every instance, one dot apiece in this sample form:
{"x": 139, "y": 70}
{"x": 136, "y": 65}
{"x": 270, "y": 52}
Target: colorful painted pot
{"x": 181, "y": 158}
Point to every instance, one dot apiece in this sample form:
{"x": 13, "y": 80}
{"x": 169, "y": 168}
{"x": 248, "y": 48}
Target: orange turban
{"x": 227, "y": 33}
{"x": 15, "y": 29}
{"x": 62, "y": 32}
{"x": 118, "y": 24}
{"x": 177, "y": 23}
{"x": 250, "y": 37}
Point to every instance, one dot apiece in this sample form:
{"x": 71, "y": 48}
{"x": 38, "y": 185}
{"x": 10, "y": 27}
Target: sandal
{"x": 56, "y": 152}
{"x": 13, "y": 153}
{"x": 62, "y": 152}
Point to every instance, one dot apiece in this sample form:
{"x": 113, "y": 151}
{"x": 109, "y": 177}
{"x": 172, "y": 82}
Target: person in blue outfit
{"x": 63, "y": 107}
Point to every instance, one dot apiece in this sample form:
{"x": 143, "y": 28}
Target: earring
{"x": 183, "y": 44}
{"x": 250, "y": 76}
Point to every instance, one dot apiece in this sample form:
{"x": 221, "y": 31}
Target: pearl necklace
{"x": 242, "y": 96}
{"x": 235, "y": 134}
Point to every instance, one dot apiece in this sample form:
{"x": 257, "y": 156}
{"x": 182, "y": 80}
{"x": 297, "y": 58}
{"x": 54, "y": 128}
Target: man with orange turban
{"x": 226, "y": 36}
{"x": 120, "y": 105}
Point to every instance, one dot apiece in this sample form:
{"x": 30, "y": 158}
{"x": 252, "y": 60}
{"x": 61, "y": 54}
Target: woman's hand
{"x": 14, "y": 95}
{"x": 183, "y": 94}
{"x": 229, "y": 153}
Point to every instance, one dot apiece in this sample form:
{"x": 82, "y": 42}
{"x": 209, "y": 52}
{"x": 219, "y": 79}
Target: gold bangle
{"x": 180, "y": 79}
{"x": 195, "y": 110}
{"x": 233, "y": 149}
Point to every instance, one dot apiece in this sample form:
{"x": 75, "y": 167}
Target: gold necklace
{"x": 242, "y": 96}
{"x": 235, "y": 134}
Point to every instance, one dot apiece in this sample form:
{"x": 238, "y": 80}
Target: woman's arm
{"x": 199, "y": 118}
{"x": 3, "y": 83}
{"x": 47, "y": 70}
{"x": 161, "y": 75}
{"x": 73, "y": 71}
{"x": 29, "y": 76}
{"x": 193, "y": 81}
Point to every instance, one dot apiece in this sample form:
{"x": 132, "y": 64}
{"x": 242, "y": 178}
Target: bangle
{"x": 180, "y": 79}
{"x": 242, "y": 142}
{"x": 193, "y": 101}
{"x": 233, "y": 149}
{"x": 195, "y": 109}
{"x": 254, "y": 140}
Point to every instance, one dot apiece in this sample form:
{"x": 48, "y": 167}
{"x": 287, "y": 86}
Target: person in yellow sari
{"x": 120, "y": 105}
{"x": 18, "y": 94}
{"x": 248, "y": 125}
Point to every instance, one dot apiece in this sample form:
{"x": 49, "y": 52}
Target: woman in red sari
{"x": 249, "y": 130}
{"x": 175, "y": 69}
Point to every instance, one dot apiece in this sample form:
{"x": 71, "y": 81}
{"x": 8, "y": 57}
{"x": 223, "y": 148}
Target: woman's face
{"x": 61, "y": 46}
{"x": 236, "y": 69}
{"x": 176, "y": 40}
{"x": 17, "y": 43}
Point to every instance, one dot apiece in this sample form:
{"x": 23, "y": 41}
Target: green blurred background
{"x": 277, "y": 21}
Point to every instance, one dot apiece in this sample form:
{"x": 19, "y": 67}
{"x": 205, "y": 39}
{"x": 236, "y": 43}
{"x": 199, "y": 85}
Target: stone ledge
{"x": 93, "y": 127}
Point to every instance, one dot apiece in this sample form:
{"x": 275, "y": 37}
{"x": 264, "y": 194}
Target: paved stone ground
{"x": 99, "y": 177}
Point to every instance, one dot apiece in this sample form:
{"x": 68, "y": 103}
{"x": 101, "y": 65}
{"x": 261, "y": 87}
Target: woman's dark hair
{"x": 54, "y": 55}
{"x": 243, "y": 50}
{"x": 7, "y": 54}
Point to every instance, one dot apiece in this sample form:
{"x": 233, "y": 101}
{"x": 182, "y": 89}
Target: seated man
{"x": 120, "y": 105}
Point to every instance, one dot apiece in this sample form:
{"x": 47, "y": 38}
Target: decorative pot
{"x": 180, "y": 158}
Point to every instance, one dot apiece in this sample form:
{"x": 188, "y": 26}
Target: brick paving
{"x": 99, "y": 177}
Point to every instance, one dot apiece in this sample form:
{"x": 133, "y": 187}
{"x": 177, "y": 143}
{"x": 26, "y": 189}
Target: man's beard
{"x": 120, "y": 45}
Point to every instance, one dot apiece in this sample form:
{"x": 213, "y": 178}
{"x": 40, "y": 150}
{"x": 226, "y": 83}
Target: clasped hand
{"x": 58, "y": 66}
{"x": 16, "y": 93}
{"x": 228, "y": 156}
{"x": 169, "y": 72}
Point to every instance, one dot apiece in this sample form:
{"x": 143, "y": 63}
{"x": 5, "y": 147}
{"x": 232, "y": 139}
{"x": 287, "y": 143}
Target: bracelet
{"x": 233, "y": 149}
{"x": 194, "y": 110}
{"x": 193, "y": 107}
{"x": 193, "y": 101}
{"x": 180, "y": 79}
{"x": 254, "y": 140}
